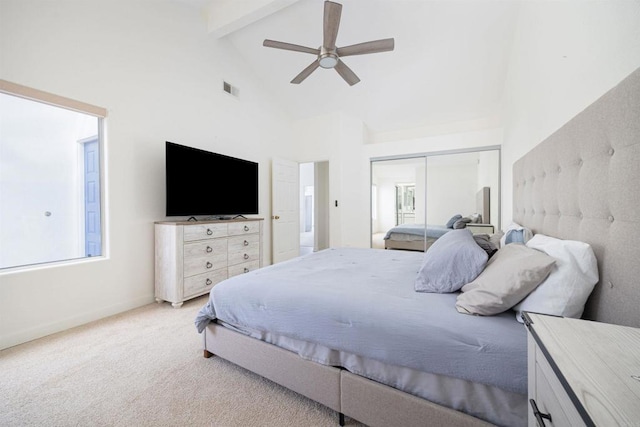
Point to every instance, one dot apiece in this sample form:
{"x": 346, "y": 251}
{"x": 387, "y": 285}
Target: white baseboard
{"x": 26, "y": 335}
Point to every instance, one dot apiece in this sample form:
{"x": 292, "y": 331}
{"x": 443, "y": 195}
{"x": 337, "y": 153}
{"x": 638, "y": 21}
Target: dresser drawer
{"x": 206, "y": 248}
{"x": 199, "y": 265}
{"x": 246, "y": 267}
{"x": 239, "y": 228}
{"x": 204, "y": 231}
{"x": 202, "y": 283}
{"x": 243, "y": 248}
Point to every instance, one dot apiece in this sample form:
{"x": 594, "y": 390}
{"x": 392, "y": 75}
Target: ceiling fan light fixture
{"x": 328, "y": 60}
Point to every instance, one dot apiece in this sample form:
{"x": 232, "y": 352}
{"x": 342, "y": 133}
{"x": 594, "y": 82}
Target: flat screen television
{"x": 200, "y": 182}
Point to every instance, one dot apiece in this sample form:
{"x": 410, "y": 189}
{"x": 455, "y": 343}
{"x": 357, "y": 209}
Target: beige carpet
{"x": 142, "y": 368}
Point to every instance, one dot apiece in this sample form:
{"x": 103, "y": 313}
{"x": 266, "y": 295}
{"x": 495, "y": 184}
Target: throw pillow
{"x": 509, "y": 276}
{"x": 515, "y": 233}
{"x": 487, "y": 245}
{"x": 452, "y": 221}
{"x": 461, "y": 223}
{"x": 451, "y": 261}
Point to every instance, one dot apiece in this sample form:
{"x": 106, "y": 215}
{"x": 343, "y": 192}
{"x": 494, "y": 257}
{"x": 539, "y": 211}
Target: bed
{"x": 581, "y": 183}
{"x": 418, "y": 237}
{"x": 413, "y": 237}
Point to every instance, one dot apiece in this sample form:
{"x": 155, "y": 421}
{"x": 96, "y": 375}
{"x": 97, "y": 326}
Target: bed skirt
{"x": 367, "y": 401}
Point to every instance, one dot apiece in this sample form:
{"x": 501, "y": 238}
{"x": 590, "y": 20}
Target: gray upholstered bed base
{"x": 367, "y": 401}
{"x": 582, "y": 183}
{"x": 408, "y": 245}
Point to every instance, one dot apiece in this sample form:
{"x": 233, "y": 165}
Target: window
{"x": 51, "y": 163}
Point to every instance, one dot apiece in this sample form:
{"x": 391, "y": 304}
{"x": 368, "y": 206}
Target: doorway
{"x": 314, "y": 206}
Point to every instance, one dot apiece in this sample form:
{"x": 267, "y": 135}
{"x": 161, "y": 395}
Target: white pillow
{"x": 565, "y": 291}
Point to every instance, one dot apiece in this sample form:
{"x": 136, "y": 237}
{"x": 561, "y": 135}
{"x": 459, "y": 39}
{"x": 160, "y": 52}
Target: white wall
{"x": 489, "y": 176}
{"x": 159, "y": 75}
{"x": 451, "y": 190}
{"x": 341, "y": 139}
{"x": 566, "y": 54}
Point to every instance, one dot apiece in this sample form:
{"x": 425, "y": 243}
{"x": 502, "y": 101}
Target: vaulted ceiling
{"x": 448, "y": 68}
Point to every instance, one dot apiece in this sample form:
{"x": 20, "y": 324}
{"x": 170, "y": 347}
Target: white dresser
{"x": 191, "y": 257}
{"x": 582, "y": 373}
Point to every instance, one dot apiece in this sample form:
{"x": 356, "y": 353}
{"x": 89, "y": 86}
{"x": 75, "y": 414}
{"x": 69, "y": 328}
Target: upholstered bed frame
{"x": 582, "y": 183}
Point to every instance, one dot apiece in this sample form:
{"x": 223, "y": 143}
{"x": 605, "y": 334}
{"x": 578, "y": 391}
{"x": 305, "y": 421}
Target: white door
{"x": 285, "y": 218}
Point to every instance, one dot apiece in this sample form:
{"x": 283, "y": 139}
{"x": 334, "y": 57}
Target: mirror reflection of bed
{"x": 432, "y": 189}
{"x": 417, "y": 237}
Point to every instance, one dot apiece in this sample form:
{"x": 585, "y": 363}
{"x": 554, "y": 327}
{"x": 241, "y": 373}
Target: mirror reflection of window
{"x": 406, "y": 204}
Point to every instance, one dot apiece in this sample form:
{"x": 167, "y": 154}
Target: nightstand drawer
{"x": 551, "y": 398}
{"x": 480, "y": 228}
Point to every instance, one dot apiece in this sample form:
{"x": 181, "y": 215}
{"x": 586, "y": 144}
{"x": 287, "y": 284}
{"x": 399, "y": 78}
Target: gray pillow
{"x": 487, "y": 245}
{"x": 453, "y": 220}
{"x": 509, "y": 276}
{"x": 450, "y": 262}
{"x": 461, "y": 223}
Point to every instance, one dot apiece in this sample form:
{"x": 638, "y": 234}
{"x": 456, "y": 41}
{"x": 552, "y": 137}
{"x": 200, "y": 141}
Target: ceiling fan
{"x": 329, "y": 54}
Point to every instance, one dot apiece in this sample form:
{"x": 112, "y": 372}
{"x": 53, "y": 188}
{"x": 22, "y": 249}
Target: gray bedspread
{"x": 433, "y": 231}
{"x": 363, "y": 301}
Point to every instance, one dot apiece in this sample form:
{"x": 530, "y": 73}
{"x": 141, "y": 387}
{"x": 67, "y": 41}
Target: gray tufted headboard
{"x": 583, "y": 183}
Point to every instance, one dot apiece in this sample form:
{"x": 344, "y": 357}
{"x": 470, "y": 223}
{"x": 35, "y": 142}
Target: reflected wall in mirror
{"x": 417, "y": 196}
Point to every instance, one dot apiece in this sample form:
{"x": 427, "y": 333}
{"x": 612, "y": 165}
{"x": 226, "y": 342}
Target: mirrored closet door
{"x": 416, "y": 199}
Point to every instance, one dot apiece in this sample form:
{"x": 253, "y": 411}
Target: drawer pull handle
{"x": 209, "y": 265}
{"x": 246, "y": 270}
{"x": 209, "y": 232}
{"x": 246, "y": 256}
{"x": 209, "y": 249}
{"x": 540, "y": 417}
{"x": 246, "y": 243}
{"x": 246, "y": 228}
{"x": 209, "y": 282}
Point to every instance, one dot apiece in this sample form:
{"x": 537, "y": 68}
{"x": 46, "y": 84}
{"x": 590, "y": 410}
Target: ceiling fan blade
{"x": 375, "y": 46}
{"x": 305, "y": 73}
{"x": 289, "y": 46}
{"x": 332, "y": 12}
{"x": 347, "y": 74}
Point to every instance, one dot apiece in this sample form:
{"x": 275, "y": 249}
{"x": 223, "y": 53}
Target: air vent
{"x": 230, "y": 89}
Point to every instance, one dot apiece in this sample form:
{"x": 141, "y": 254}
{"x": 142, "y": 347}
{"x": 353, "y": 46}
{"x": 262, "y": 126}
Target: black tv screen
{"x": 200, "y": 182}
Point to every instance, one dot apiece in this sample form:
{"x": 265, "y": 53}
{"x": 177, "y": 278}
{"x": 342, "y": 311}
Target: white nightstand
{"x": 480, "y": 228}
{"x": 582, "y": 373}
